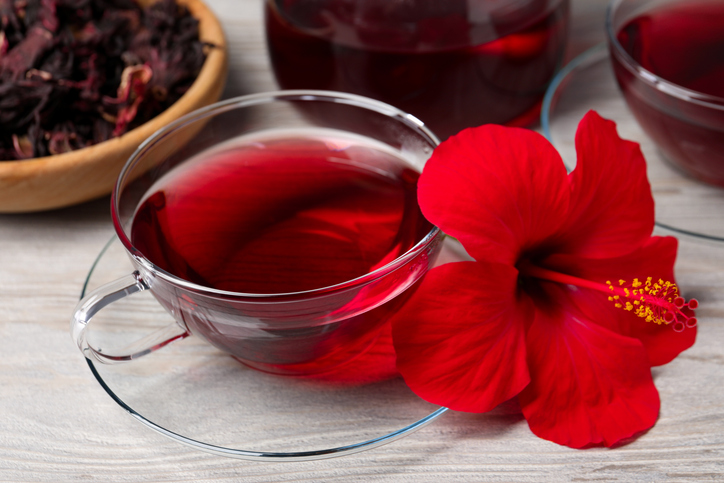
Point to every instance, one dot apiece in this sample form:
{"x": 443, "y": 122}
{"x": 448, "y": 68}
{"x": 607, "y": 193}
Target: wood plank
{"x": 57, "y": 424}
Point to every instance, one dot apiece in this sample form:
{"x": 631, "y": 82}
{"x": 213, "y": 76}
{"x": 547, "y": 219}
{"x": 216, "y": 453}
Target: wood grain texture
{"x": 70, "y": 178}
{"x": 58, "y": 425}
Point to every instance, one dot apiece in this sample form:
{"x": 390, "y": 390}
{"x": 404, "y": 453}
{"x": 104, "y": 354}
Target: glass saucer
{"x": 196, "y": 395}
{"x": 587, "y": 83}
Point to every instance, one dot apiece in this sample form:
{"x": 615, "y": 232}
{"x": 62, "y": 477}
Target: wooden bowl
{"x": 70, "y": 178}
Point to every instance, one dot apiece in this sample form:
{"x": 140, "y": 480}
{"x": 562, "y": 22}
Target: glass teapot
{"x": 452, "y": 63}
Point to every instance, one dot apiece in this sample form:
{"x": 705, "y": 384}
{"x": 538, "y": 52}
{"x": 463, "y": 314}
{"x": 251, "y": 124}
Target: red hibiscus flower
{"x": 533, "y": 315}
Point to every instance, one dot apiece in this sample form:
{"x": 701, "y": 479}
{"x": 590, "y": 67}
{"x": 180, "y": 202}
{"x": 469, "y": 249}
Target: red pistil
{"x": 654, "y": 301}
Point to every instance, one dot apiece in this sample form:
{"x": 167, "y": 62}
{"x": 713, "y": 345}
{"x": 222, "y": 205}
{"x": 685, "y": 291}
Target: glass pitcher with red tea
{"x": 668, "y": 57}
{"x": 452, "y": 63}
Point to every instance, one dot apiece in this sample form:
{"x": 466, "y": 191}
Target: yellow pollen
{"x": 657, "y": 302}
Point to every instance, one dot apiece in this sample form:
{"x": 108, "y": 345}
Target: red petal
{"x": 655, "y": 259}
{"x": 612, "y": 210}
{"x": 589, "y": 386}
{"x": 460, "y": 338}
{"x": 498, "y": 190}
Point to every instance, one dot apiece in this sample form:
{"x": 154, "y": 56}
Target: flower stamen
{"x": 655, "y": 301}
{"x": 658, "y": 301}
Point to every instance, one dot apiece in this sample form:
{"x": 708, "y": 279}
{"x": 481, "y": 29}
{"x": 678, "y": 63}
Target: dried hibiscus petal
{"x": 78, "y": 72}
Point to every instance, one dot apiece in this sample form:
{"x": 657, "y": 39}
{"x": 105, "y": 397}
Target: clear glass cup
{"x": 686, "y": 124}
{"x": 309, "y": 331}
{"x": 453, "y": 63}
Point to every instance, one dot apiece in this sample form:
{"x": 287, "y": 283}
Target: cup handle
{"x": 92, "y": 303}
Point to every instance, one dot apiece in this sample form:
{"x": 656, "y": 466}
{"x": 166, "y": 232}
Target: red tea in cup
{"x": 293, "y": 212}
{"x": 452, "y": 63}
{"x": 282, "y": 228}
{"x": 668, "y": 61}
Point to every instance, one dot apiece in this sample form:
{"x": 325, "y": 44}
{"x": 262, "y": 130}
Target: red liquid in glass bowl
{"x": 283, "y": 215}
{"x": 669, "y": 63}
{"x": 453, "y": 63}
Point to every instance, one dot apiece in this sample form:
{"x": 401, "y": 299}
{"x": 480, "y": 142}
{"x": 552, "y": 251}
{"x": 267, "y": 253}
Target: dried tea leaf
{"x": 77, "y": 72}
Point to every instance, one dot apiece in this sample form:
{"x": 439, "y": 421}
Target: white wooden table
{"x": 57, "y": 424}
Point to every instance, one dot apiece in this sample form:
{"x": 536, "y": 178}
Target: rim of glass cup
{"x": 252, "y": 100}
{"x": 648, "y": 77}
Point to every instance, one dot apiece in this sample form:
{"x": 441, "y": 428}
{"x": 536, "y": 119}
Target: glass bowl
{"x": 686, "y": 125}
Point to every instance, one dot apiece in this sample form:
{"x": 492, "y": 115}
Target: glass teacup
{"x": 666, "y": 58}
{"x": 172, "y": 208}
